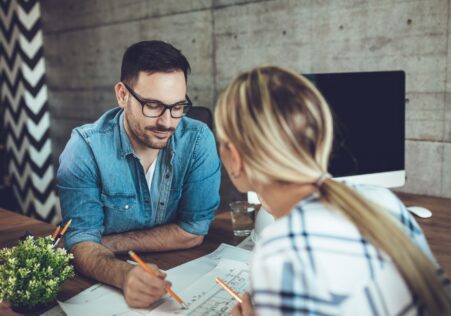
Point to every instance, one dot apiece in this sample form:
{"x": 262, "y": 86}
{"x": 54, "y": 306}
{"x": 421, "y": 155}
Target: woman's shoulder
{"x": 388, "y": 200}
{"x": 380, "y": 195}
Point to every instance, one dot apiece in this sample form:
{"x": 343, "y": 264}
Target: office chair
{"x": 202, "y": 114}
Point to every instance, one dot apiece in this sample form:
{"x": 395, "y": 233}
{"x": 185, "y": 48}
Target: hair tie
{"x": 322, "y": 178}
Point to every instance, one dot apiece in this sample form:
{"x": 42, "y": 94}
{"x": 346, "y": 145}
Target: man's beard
{"x": 152, "y": 144}
{"x": 146, "y": 139}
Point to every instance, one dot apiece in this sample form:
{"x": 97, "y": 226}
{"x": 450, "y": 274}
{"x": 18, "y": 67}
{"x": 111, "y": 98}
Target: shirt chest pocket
{"x": 121, "y": 212}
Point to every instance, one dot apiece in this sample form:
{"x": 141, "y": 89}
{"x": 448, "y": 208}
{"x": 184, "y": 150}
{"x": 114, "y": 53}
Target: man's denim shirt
{"x": 103, "y": 188}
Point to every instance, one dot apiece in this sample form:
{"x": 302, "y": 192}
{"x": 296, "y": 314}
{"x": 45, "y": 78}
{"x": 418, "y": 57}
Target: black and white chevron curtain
{"x": 26, "y": 120}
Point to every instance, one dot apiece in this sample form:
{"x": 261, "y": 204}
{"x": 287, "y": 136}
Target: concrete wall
{"x": 84, "y": 41}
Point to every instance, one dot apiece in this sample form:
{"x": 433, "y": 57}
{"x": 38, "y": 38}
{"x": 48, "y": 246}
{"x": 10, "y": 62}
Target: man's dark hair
{"x": 152, "y": 56}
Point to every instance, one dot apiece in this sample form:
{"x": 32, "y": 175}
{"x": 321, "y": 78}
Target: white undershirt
{"x": 149, "y": 174}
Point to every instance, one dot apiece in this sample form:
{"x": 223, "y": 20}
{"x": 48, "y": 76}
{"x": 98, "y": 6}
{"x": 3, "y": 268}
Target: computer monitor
{"x": 369, "y": 120}
{"x": 369, "y": 123}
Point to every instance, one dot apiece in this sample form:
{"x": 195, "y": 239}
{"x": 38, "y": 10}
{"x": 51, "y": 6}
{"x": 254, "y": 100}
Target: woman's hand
{"x": 245, "y": 308}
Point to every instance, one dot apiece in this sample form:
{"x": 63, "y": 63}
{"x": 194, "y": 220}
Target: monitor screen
{"x": 368, "y": 110}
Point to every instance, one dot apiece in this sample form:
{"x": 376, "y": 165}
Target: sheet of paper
{"x": 184, "y": 275}
{"x": 101, "y": 299}
{"x": 225, "y": 251}
{"x": 55, "y": 311}
{"x": 104, "y": 301}
{"x": 205, "y": 297}
{"x": 97, "y": 291}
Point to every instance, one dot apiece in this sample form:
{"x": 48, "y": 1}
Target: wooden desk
{"x": 13, "y": 226}
{"x": 437, "y": 230}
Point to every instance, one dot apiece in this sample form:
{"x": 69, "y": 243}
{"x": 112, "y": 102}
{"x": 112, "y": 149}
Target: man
{"x": 142, "y": 177}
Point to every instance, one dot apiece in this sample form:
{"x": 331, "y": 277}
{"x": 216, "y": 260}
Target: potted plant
{"x": 32, "y": 273}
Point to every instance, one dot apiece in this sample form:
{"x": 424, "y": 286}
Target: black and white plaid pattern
{"x": 315, "y": 262}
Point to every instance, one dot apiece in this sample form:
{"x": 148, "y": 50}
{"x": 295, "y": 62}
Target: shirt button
{"x": 126, "y": 206}
{"x": 161, "y": 203}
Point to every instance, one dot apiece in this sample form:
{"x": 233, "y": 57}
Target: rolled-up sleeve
{"x": 77, "y": 182}
{"x": 200, "y": 194}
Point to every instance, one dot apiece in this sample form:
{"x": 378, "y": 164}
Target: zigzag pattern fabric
{"x": 26, "y": 116}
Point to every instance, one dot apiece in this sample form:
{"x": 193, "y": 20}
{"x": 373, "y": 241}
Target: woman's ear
{"x": 236, "y": 160}
{"x": 121, "y": 94}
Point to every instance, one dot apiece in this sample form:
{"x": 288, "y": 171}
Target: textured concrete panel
{"x": 66, "y": 15}
{"x": 424, "y": 164}
{"x": 424, "y": 116}
{"x": 88, "y": 58}
{"x": 447, "y": 129}
{"x": 83, "y": 104}
{"x": 447, "y": 132}
{"x": 275, "y": 32}
{"x": 446, "y": 185}
{"x": 226, "y": 3}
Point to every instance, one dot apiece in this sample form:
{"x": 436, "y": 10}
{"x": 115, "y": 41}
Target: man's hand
{"x": 97, "y": 262}
{"x": 245, "y": 308}
{"x": 142, "y": 289}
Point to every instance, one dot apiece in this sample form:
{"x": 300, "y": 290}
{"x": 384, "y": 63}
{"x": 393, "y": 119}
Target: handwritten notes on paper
{"x": 207, "y": 298}
{"x": 194, "y": 281}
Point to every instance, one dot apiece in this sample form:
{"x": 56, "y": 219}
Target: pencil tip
{"x": 184, "y": 306}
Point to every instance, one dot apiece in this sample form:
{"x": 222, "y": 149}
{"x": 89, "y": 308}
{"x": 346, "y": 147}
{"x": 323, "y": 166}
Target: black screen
{"x": 368, "y": 110}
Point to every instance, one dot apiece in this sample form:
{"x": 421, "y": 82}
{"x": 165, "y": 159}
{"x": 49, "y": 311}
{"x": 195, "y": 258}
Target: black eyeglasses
{"x": 155, "y": 108}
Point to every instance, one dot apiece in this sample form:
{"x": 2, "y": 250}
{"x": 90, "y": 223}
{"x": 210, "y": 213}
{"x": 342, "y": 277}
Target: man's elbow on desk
{"x": 190, "y": 240}
{"x": 194, "y": 241}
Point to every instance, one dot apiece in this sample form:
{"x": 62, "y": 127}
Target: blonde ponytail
{"x": 376, "y": 224}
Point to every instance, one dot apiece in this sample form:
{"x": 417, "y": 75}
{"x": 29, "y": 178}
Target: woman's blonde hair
{"x": 283, "y": 129}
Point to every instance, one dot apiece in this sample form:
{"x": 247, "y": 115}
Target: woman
{"x": 335, "y": 249}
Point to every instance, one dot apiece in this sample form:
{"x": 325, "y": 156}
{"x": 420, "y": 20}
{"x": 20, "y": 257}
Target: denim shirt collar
{"x": 126, "y": 147}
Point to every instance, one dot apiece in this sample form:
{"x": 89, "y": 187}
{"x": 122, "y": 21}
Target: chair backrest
{"x": 202, "y": 114}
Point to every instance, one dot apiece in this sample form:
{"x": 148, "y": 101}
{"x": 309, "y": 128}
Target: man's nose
{"x": 165, "y": 119}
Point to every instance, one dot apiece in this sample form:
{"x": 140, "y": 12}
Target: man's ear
{"x": 121, "y": 94}
{"x": 236, "y": 160}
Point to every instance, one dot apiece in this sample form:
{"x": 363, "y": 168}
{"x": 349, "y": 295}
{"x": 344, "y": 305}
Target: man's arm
{"x": 140, "y": 288}
{"x": 161, "y": 238}
{"x": 200, "y": 192}
{"x": 80, "y": 201}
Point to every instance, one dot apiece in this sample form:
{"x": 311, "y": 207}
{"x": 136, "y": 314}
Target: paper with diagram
{"x": 101, "y": 299}
{"x": 205, "y": 297}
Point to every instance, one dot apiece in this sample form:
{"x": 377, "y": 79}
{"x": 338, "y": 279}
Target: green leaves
{"x": 32, "y": 272}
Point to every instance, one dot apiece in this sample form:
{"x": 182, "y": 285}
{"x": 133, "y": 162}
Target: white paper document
{"x": 101, "y": 299}
{"x": 207, "y": 298}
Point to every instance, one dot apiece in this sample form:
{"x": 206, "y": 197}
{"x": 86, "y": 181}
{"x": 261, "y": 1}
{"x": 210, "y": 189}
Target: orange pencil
{"x": 62, "y": 233}
{"x": 55, "y": 233}
{"x": 151, "y": 272}
{"x": 228, "y": 289}
{"x": 66, "y": 227}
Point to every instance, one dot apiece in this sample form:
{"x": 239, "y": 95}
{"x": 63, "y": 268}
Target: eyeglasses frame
{"x": 169, "y": 107}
